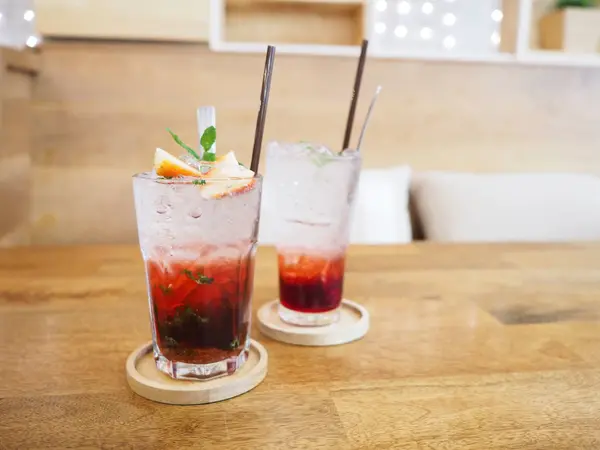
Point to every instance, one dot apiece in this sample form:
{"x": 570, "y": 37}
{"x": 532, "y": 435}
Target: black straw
{"x": 357, "y": 82}
{"x": 262, "y": 112}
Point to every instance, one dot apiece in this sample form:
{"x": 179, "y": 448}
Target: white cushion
{"x": 528, "y": 207}
{"x": 381, "y": 207}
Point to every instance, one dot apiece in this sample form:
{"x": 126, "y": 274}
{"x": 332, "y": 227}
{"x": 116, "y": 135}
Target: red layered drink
{"x": 309, "y": 194}
{"x": 201, "y": 310}
{"x": 309, "y": 283}
{"x": 197, "y": 221}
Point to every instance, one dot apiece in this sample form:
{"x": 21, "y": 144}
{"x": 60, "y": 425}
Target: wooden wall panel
{"x": 16, "y": 78}
{"x": 102, "y": 108}
{"x": 181, "y": 20}
{"x": 294, "y": 22}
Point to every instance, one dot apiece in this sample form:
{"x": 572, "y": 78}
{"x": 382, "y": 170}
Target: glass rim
{"x": 335, "y": 156}
{"x": 188, "y": 179}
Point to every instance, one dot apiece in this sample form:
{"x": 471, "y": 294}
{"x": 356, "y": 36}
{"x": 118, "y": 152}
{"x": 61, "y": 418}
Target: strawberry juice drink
{"x": 197, "y": 221}
{"x": 309, "y": 201}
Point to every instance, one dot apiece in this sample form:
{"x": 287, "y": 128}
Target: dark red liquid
{"x": 310, "y": 284}
{"x": 201, "y": 312}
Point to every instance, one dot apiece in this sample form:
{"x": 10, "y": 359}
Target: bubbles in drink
{"x": 162, "y": 205}
{"x": 307, "y": 193}
{"x": 196, "y": 213}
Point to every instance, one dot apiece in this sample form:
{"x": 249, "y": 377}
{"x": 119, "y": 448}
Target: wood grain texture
{"x": 439, "y": 369}
{"x": 328, "y": 23}
{"x": 572, "y": 30}
{"x": 102, "y": 109}
{"x": 27, "y": 60}
{"x": 161, "y": 20}
{"x": 17, "y": 75}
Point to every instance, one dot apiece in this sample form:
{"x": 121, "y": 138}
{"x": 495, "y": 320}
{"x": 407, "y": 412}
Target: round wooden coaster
{"x": 146, "y": 380}
{"x": 353, "y": 324}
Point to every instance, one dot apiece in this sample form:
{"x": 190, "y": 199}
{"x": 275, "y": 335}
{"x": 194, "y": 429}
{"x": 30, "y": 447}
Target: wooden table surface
{"x": 470, "y": 347}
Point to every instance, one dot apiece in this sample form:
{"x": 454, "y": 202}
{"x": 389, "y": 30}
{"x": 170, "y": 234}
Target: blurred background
{"x": 89, "y": 88}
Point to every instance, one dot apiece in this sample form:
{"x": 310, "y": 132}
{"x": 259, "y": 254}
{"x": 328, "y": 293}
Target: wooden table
{"x": 470, "y": 347}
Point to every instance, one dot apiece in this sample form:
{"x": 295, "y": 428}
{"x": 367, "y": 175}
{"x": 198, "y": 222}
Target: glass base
{"x": 187, "y": 371}
{"x": 308, "y": 319}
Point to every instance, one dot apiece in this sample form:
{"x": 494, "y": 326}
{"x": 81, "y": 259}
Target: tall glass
{"x": 309, "y": 200}
{"x": 198, "y": 243}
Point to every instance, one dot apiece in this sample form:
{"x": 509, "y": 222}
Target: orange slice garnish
{"x": 169, "y": 166}
{"x": 227, "y": 188}
{"x": 229, "y": 178}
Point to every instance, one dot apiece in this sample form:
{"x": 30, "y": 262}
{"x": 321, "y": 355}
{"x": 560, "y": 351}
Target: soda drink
{"x": 198, "y": 236}
{"x": 308, "y": 198}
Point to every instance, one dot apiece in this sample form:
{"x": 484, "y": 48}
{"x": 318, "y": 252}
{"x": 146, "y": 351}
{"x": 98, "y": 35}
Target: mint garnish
{"x": 198, "y": 278}
{"x": 207, "y": 140}
{"x": 199, "y": 182}
{"x": 320, "y": 159}
{"x": 187, "y": 148}
{"x": 166, "y": 289}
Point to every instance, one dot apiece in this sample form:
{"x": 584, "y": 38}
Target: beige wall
{"x": 102, "y": 108}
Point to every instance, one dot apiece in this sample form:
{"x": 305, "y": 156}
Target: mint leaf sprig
{"x": 198, "y": 278}
{"x": 208, "y": 139}
{"x": 166, "y": 290}
{"x": 187, "y": 148}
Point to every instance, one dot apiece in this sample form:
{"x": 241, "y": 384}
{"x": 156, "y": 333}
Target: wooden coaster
{"x": 353, "y": 324}
{"x": 149, "y": 382}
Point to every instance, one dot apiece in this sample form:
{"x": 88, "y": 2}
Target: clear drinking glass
{"x": 198, "y": 247}
{"x": 309, "y": 201}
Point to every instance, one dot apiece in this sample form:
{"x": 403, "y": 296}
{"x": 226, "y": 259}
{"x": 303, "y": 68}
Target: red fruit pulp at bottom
{"x": 310, "y": 284}
{"x": 201, "y": 312}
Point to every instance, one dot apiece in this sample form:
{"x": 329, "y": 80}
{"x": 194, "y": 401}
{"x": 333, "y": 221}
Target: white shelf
{"x": 550, "y": 58}
{"x": 523, "y": 55}
{"x": 294, "y": 49}
{"x": 501, "y": 58}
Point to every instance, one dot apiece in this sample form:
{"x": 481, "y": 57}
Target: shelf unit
{"x": 335, "y": 28}
{"x": 247, "y": 25}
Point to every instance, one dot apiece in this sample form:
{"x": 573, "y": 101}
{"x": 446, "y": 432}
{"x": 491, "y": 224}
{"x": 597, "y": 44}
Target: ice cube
{"x": 190, "y": 160}
{"x": 162, "y": 204}
{"x": 322, "y": 150}
{"x": 350, "y": 152}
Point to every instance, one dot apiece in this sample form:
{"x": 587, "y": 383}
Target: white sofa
{"x": 469, "y": 207}
{"x": 515, "y": 207}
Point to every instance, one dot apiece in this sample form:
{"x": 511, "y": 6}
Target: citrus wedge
{"x": 167, "y": 165}
{"x": 227, "y": 166}
{"x": 227, "y": 188}
{"x": 228, "y": 178}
